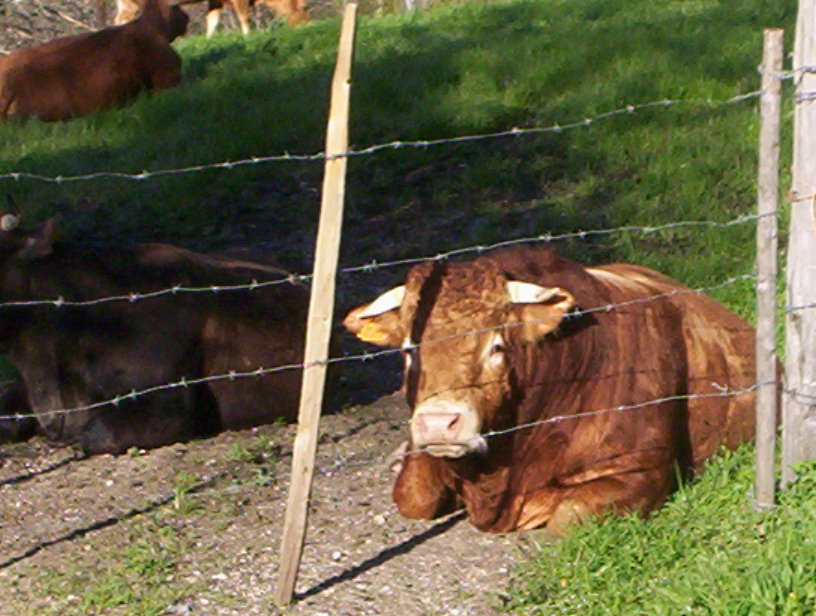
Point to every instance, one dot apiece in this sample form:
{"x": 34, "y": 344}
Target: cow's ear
{"x": 539, "y": 309}
{"x": 41, "y": 243}
{"x": 379, "y": 322}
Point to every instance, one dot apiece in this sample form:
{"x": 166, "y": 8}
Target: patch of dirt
{"x": 60, "y": 516}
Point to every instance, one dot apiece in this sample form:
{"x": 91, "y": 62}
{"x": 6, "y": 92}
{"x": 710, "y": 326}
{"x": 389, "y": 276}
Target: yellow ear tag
{"x": 372, "y": 332}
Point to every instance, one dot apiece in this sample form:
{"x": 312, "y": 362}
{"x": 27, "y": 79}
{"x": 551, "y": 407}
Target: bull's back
{"x": 720, "y": 360}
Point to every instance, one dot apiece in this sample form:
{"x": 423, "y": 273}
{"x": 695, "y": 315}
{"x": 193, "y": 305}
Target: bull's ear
{"x": 41, "y": 243}
{"x": 379, "y": 322}
{"x": 539, "y": 309}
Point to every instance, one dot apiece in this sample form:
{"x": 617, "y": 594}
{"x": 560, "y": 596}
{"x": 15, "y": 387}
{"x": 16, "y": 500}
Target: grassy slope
{"x": 448, "y": 72}
{"x": 707, "y": 552}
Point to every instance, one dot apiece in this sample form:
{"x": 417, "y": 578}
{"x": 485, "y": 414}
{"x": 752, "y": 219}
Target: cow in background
{"x": 74, "y": 357}
{"x": 293, "y": 10}
{"x": 77, "y": 75}
{"x": 531, "y": 412}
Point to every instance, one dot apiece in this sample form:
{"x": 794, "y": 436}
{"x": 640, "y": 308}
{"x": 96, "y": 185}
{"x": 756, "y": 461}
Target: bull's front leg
{"x": 423, "y": 489}
{"x": 39, "y": 372}
{"x": 558, "y": 508}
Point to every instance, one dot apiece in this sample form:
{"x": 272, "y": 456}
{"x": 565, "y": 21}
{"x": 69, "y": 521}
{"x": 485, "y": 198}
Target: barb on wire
{"x": 800, "y": 395}
{"x": 372, "y": 266}
{"x": 800, "y": 307}
{"x": 393, "y": 145}
{"x": 233, "y": 375}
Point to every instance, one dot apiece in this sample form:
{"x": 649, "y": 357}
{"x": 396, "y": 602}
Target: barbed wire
{"x": 372, "y": 266}
{"x": 234, "y": 375}
{"x": 548, "y": 238}
{"x": 393, "y": 145}
{"x": 809, "y": 398}
{"x": 800, "y": 307}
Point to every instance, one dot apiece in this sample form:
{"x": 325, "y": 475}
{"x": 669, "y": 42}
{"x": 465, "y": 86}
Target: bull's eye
{"x": 495, "y": 352}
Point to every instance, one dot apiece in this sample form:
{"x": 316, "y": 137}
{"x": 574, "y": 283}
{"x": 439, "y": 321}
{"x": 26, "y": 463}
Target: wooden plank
{"x": 799, "y": 410}
{"x": 321, "y": 308}
{"x": 767, "y": 204}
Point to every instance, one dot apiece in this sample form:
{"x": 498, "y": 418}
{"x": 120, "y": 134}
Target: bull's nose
{"x": 438, "y": 427}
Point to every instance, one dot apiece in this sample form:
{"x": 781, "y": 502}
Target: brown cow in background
{"x": 78, "y": 356}
{"x": 294, "y": 11}
{"x": 77, "y": 75}
{"x": 514, "y": 397}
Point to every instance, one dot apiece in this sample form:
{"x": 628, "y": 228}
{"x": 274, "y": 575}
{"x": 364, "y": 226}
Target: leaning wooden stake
{"x": 321, "y": 307}
{"x": 799, "y": 406}
{"x": 767, "y": 204}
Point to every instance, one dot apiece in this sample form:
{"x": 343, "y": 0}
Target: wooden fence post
{"x": 767, "y": 204}
{"x": 799, "y": 407}
{"x": 321, "y": 308}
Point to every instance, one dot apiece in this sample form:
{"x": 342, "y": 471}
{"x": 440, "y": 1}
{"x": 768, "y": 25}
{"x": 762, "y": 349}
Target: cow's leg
{"x": 213, "y": 17}
{"x": 421, "y": 490}
{"x": 641, "y": 491}
{"x": 126, "y": 10}
{"x": 162, "y": 419}
{"x": 557, "y": 509}
{"x": 242, "y": 12}
{"x": 38, "y": 369}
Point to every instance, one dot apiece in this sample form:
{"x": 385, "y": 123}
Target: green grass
{"x": 707, "y": 552}
{"x": 455, "y": 70}
{"x": 140, "y": 578}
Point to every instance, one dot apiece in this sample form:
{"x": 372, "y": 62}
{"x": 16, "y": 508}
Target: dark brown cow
{"x": 502, "y": 345}
{"x": 77, "y": 75}
{"x": 73, "y": 356}
{"x": 294, "y": 11}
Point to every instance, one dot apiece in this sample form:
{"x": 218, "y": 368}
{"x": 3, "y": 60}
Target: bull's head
{"x": 166, "y": 16}
{"x": 178, "y": 21}
{"x": 463, "y": 329}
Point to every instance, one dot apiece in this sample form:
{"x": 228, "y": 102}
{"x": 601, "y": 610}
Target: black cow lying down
{"x": 73, "y": 356}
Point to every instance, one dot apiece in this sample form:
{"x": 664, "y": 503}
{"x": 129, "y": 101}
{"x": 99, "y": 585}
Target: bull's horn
{"x": 387, "y": 301}
{"x": 528, "y": 293}
{"x": 9, "y": 222}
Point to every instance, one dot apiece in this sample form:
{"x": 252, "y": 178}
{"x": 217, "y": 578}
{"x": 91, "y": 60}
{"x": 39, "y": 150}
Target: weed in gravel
{"x": 134, "y": 580}
{"x": 182, "y": 486}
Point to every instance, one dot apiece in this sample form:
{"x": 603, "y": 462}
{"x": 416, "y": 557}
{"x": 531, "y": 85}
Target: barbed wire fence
{"x": 374, "y": 265}
{"x": 137, "y": 295}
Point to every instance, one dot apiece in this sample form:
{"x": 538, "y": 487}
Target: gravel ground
{"x": 59, "y": 514}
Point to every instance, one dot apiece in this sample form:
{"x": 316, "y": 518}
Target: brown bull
{"x": 86, "y": 353}
{"x": 77, "y": 75}
{"x": 512, "y": 363}
{"x": 294, "y": 11}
